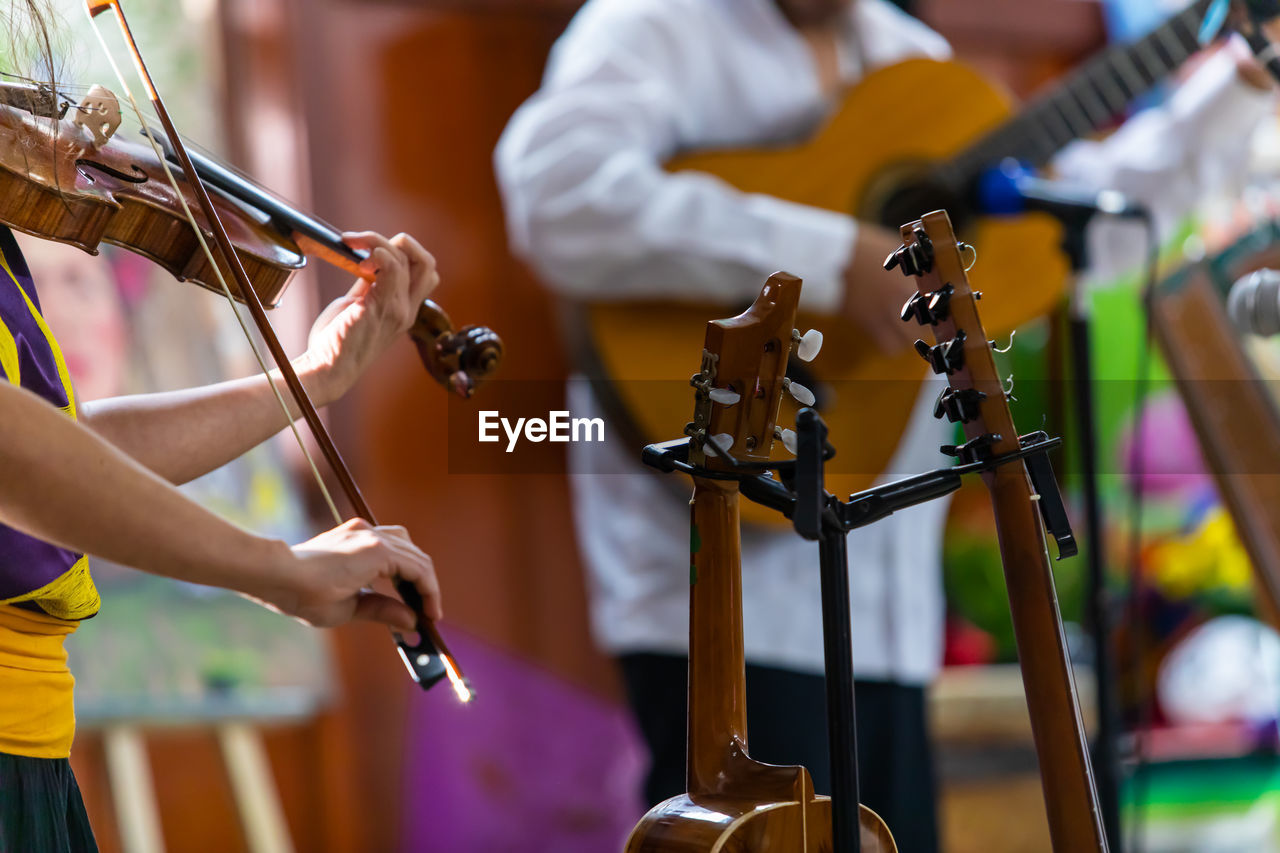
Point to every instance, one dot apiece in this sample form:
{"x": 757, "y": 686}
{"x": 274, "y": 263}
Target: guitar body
{"x": 855, "y": 165}
{"x": 737, "y": 825}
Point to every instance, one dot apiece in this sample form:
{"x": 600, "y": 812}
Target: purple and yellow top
{"x": 44, "y": 589}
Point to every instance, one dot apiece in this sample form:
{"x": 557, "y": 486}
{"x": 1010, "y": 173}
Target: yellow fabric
{"x": 72, "y": 595}
{"x": 37, "y": 714}
{"x": 9, "y": 354}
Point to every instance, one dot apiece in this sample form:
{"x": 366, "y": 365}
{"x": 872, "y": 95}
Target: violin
{"x": 76, "y": 180}
{"x": 66, "y": 174}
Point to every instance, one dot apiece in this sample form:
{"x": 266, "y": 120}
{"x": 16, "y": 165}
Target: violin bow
{"x": 429, "y": 660}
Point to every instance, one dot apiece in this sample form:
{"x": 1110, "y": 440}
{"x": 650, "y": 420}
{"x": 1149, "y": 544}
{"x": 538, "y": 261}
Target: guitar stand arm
{"x": 798, "y": 493}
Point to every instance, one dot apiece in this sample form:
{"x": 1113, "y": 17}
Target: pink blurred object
{"x": 534, "y": 765}
{"x": 965, "y": 644}
{"x": 1170, "y": 454}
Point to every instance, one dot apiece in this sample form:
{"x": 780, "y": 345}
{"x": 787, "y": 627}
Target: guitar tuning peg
{"x": 724, "y": 396}
{"x": 802, "y": 395}
{"x": 787, "y": 437}
{"x": 808, "y": 344}
{"x": 722, "y": 442}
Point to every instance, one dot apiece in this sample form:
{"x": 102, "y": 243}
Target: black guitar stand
{"x": 796, "y": 489}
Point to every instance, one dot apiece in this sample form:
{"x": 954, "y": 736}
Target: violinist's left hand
{"x": 356, "y": 328}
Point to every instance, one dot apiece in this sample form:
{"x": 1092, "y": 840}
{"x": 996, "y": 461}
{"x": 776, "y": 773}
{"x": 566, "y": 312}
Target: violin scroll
{"x": 457, "y": 359}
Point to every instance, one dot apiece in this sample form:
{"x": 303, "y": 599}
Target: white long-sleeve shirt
{"x": 631, "y": 83}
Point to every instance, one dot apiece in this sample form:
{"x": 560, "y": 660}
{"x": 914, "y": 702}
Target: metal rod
{"x": 837, "y": 638}
{"x": 1106, "y": 760}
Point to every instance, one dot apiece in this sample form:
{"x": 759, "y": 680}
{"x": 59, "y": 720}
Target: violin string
{"x": 141, "y": 119}
{"x": 459, "y": 683}
{"x": 222, "y": 282}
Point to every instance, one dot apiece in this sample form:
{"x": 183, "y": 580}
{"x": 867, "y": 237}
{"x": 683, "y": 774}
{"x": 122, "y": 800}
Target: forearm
{"x": 181, "y": 435}
{"x": 61, "y": 483}
{"x": 684, "y": 236}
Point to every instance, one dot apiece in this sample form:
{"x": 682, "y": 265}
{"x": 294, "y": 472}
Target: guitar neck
{"x": 1066, "y": 773}
{"x": 717, "y": 666}
{"x": 1088, "y": 100}
{"x": 1075, "y": 822}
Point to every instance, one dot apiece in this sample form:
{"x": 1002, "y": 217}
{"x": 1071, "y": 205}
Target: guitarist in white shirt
{"x": 629, "y": 85}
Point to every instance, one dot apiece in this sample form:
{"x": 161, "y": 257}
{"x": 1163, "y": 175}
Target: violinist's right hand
{"x": 326, "y": 580}
{"x": 62, "y": 482}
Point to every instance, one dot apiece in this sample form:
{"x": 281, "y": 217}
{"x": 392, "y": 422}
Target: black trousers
{"x": 787, "y": 724}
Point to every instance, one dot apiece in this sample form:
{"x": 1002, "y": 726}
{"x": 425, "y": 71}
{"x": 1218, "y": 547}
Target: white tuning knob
{"x": 808, "y": 345}
{"x": 788, "y": 437}
{"x": 722, "y": 442}
{"x": 802, "y": 395}
{"x": 724, "y": 396}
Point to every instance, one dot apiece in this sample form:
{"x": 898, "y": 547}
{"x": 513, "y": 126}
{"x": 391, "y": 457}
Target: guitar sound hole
{"x": 913, "y": 200}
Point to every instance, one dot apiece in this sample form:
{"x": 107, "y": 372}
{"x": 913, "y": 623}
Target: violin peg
{"x": 724, "y": 396}
{"x": 800, "y": 393}
{"x": 808, "y": 344}
{"x": 787, "y": 437}
{"x": 462, "y": 384}
{"x": 722, "y": 442}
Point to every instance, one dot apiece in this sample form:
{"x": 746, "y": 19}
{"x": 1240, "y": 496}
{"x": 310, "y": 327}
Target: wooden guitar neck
{"x": 964, "y": 353}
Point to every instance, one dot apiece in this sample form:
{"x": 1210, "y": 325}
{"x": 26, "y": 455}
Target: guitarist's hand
{"x": 1247, "y": 66}
{"x": 873, "y": 297}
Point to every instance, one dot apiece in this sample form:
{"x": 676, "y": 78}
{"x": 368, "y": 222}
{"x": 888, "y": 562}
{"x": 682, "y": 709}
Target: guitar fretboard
{"x": 1091, "y": 98}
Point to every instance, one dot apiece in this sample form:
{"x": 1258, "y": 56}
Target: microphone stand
{"x": 1098, "y": 605}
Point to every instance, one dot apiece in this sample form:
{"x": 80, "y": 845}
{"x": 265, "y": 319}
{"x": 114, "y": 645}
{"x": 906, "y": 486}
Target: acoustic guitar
{"x": 976, "y": 398}
{"x": 909, "y": 138}
{"x": 733, "y": 801}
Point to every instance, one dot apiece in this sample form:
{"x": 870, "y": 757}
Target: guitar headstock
{"x": 743, "y": 376}
{"x": 975, "y": 396}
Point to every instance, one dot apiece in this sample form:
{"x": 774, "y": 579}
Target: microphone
{"x": 1012, "y": 188}
{"x": 1254, "y": 303}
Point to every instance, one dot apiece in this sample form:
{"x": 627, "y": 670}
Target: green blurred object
{"x": 1205, "y": 805}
